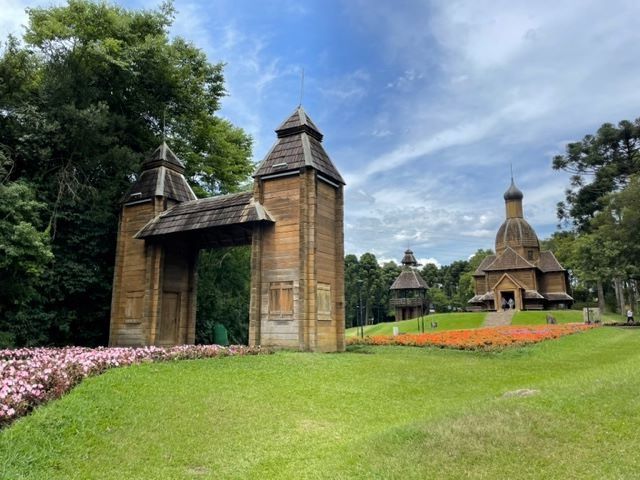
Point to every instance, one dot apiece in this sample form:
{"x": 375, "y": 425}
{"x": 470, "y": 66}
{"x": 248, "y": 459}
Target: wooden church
{"x": 519, "y": 271}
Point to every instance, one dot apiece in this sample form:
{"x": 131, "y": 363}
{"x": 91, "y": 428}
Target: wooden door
{"x": 169, "y": 321}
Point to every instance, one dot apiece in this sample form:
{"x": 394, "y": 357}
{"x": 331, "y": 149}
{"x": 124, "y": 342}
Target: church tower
{"x": 409, "y": 290}
{"x": 297, "y": 288}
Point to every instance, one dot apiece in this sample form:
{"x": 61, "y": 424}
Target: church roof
{"x": 509, "y": 260}
{"x": 162, "y": 176}
{"x": 221, "y": 210}
{"x": 298, "y": 145}
{"x": 557, "y": 296}
{"x": 516, "y": 232}
{"x": 549, "y": 263}
{"x": 513, "y": 192}
{"x": 409, "y": 279}
{"x": 488, "y": 260}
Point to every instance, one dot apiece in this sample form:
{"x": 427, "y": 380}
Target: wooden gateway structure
{"x": 519, "y": 270}
{"x": 293, "y": 219}
{"x": 409, "y": 290}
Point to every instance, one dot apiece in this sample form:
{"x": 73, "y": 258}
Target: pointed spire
{"x": 409, "y": 260}
{"x": 163, "y": 156}
{"x": 298, "y": 146}
{"x": 298, "y": 122}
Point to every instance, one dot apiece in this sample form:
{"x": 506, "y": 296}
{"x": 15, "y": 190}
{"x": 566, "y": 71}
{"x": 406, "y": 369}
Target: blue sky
{"x": 424, "y": 104}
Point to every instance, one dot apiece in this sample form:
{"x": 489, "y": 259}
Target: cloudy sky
{"x": 424, "y": 104}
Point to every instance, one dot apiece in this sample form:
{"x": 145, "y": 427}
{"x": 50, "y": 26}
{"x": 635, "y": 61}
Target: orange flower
{"x": 489, "y": 338}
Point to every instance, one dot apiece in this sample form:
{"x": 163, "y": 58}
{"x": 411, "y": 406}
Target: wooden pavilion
{"x": 409, "y": 290}
{"x": 519, "y": 271}
{"x": 293, "y": 219}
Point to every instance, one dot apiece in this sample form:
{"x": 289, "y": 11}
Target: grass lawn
{"x": 539, "y": 317}
{"x": 446, "y": 321}
{"x": 374, "y": 412}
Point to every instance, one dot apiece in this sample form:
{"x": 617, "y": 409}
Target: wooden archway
{"x": 293, "y": 219}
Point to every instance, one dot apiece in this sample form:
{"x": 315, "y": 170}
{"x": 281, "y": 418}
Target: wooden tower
{"x": 297, "y": 292}
{"x": 409, "y": 291}
{"x": 153, "y": 301}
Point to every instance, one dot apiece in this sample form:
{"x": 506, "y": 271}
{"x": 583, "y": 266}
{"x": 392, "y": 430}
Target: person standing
{"x": 511, "y": 303}
{"x": 504, "y": 303}
{"x": 629, "y": 316}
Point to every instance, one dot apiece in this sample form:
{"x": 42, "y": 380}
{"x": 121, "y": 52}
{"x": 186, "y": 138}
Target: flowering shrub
{"x": 489, "y": 338}
{"x": 32, "y": 376}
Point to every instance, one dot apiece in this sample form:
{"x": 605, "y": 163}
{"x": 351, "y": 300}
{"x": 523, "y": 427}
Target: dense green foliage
{"x": 602, "y": 206}
{"x": 224, "y": 281}
{"x": 25, "y": 253}
{"x": 376, "y": 412}
{"x": 83, "y": 98}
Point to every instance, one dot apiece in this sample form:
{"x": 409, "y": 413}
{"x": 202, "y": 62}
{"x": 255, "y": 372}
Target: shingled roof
{"x": 509, "y": 260}
{"x": 162, "y": 176}
{"x": 205, "y": 213}
{"x": 409, "y": 279}
{"x": 549, "y": 263}
{"x": 488, "y": 260}
{"x": 163, "y": 156}
{"x": 298, "y": 146}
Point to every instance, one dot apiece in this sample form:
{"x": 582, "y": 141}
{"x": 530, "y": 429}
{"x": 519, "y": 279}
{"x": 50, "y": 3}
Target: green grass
{"x": 374, "y": 412}
{"x": 446, "y": 321}
{"x": 539, "y": 317}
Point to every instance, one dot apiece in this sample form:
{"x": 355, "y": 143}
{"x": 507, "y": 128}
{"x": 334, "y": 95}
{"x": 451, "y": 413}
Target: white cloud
{"x": 505, "y": 82}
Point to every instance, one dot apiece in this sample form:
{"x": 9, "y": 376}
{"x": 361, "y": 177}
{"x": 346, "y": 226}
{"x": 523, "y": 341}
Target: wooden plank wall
{"x": 278, "y": 259}
{"x": 136, "y": 278}
{"x": 304, "y": 247}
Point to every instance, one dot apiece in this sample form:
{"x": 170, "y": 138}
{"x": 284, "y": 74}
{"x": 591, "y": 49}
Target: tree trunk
{"x": 601, "y": 304}
{"x": 619, "y": 294}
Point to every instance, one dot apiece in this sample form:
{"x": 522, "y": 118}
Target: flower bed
{"x": 32, "y": 376}
{"x": 489, "y": 338}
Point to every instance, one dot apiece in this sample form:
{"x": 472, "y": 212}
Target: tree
{"x": 600, "y": 164}
{"x": 25, "y": 253}
{"x": 466, "y": 283}
{"x": 224, "y": 282}
{"x": 89, "y": 92}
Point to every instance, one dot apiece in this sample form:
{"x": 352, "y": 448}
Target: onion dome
{"x": 513, "y": 192}
{"x": 409, "y": 260}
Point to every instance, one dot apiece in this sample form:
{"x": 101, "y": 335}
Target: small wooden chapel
{"x": 293, "y": 220}
{"x": 519, "y": 271}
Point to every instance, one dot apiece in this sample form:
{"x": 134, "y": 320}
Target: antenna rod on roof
{"x": 164, "y": 121}
{"x": 301, "y": 87}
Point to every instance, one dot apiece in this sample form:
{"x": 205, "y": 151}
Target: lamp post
{"x": 360, "y": 315}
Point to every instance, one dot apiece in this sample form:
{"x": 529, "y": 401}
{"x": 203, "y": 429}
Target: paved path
{"x": 498, "y": 319}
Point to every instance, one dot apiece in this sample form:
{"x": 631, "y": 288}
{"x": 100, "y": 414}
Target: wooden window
{"x": 529, "y": 254}
{"x": 324, "y": 300}
{"x": 133, "y": 307}
{"x": 281, "y": 298}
